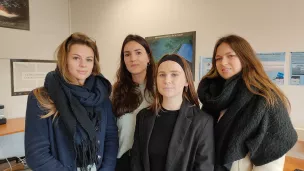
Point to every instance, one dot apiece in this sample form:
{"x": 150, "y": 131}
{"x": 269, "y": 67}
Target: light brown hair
{"x": 253, "y": 73}
{"x": 189, "y": 92}
{"x": 62, "y": 54}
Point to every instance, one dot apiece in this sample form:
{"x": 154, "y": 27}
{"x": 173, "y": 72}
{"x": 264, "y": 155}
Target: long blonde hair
{"x": 62, "y": 54}
{"x": 253, "y": 73}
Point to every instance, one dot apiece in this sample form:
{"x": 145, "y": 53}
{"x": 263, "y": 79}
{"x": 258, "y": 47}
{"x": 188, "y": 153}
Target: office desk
{"x": 12, "y": 139}
{"x": 12, "y": 126}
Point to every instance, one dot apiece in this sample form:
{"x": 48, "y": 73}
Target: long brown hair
{"x": 189, "y": 92}
{"x": 126, "y": 97}
{"x": 253, "y": 73}
{"x": 61, "y": 54}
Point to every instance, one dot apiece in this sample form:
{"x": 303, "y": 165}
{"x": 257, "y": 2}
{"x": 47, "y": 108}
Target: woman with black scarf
{"x": 253, "y": 131}
{"x": 69, "y": 121}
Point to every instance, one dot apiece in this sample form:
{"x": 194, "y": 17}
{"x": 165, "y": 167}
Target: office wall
{"x": 270, "y": 26}
{"x": 49, "y": 26}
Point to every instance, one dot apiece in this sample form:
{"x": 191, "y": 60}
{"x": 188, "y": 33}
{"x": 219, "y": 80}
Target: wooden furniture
{"x": 293, "y": 163}
{"x": 12, "y": 126}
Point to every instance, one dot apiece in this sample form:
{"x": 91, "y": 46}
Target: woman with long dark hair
{"x": 133, "y": 91}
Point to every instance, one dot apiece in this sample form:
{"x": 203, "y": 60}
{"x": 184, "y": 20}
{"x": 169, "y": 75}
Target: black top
{"x": 160, "y": 139}
{"x": 191, "y": 144}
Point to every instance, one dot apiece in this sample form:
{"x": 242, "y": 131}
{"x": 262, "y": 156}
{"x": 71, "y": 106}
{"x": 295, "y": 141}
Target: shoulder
{"x": 34, "y": 110}
{"x": 105, "y": 83}
{"x": 260, "y": 104}
{"x": 145, "y": 112}
{"x": 32, "y": 101}
{"x": 201, "y": 116}
{"x": 34, "y": 106}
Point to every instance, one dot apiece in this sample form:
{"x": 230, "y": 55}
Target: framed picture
{"x": 179, "y": 43}
{"x": 15, "y": 14}
{"x": 28, "y": 74}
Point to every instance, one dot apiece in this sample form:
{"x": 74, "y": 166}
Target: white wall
{"x": 49, "y": 26}
{"x": 269, "y": 25}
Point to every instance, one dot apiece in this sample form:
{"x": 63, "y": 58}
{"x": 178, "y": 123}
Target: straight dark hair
{"x": 126, "y": 97}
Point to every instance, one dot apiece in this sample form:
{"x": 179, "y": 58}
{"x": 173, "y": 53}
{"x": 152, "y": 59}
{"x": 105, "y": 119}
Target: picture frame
{"x": 28, "y": 74}
{"x": 15, "y": 14}
{"x": 182, "y": 44}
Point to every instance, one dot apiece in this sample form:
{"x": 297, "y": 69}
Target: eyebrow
{"x": 228, "y": 53}
{"x": 134, "y": 50}
{"x": 80, "y": 56}
{"x": 170, "y": 71}
{"x": 224, "y": 54}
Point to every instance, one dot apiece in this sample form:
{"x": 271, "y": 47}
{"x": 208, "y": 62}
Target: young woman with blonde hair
{"x": 69, "y": 121}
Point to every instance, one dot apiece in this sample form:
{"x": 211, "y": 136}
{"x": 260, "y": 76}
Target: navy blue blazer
{"x": 48, "y": 148}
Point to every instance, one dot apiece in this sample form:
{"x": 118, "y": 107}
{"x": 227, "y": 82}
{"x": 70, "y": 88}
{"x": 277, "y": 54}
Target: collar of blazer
{"x": 182, "y": 124}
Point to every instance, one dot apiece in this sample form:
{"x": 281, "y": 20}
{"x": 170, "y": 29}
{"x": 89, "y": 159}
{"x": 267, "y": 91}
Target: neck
{"x": 76, "y": 82}
{"x": 139, "y": 78}
{"x": 172, "y": 103}
{"x": 80, "y": 83}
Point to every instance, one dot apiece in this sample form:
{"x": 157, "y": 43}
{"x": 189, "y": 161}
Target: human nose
{"x": 168, "y": 79}
{"x": 83, "y": 63}
{"x": 132, "y": 57}
{"x": 224, "y": 60}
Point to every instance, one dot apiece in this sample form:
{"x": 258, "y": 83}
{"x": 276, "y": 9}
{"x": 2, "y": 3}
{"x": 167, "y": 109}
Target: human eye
{"x": 89, "y": 60}
{"x": 161, "y": 75}
{"x": 174, "y": 74}
{"x": 217, "y": 58}
{"x": 126, "y": 55}
{"x": 75, "y": 57}
{"x": 138, "y": 53}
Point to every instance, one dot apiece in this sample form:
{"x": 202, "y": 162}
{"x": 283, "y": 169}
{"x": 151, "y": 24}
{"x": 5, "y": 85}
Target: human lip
{"x": 82, "y": 72}
{"x": 134, "y": 65}
{"x": 226, "y": 69}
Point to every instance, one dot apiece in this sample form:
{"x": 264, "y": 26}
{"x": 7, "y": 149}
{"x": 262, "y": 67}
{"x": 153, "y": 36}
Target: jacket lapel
{"x": 148, "y": 125}
{"x": 182, "y": 124}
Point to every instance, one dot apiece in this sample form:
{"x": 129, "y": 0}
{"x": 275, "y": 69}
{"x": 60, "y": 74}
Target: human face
{"x": 135, "y": 58}
{"x": 80, "y": 62}
{"x": 171, "y": 80}
{"x": 227, "y": 62}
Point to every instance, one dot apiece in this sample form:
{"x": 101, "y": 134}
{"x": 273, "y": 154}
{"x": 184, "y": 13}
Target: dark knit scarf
{"x": 79, "y": 109}
{"x": 248, "y": 125}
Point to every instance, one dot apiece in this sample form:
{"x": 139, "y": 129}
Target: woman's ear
{"x": 186, "y": 88}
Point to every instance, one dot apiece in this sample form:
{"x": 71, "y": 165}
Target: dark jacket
{"x": 48, "y": 148}
{"x": 248, "y": 126}
{"x": 191, "y": 146}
